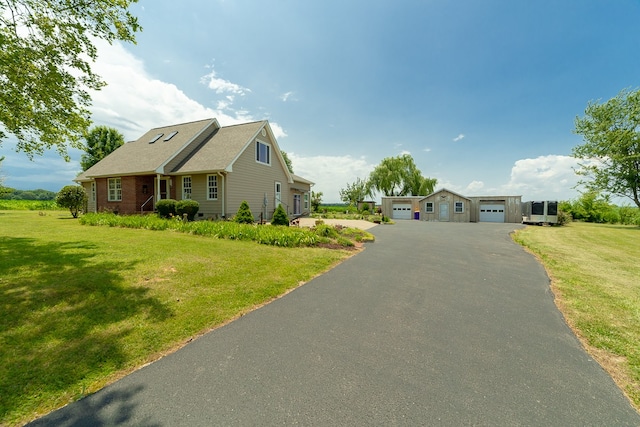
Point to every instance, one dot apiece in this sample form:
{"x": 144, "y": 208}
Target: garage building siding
{"x": 445, "y": 206}
{"x": 398, "y": 207}
{"x": 512, "y": 206}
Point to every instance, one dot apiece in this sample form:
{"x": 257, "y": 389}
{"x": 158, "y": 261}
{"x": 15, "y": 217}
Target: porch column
{"x": 158, "y": 188}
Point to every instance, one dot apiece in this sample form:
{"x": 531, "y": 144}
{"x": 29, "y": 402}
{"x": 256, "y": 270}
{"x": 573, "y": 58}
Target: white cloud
{"x": 212, "y": 81}
{"x": 286, "y": 96}
{"x": 545, "y": 177}
{"x": 331, "y": 173}
{"x": 473, "y": 188}
{"x": 133, "y": 102}
{"x": 458, "y": 138}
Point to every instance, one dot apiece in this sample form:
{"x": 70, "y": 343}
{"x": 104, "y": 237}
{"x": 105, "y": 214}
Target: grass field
{"x": 81, "y": 306}
{"x": 596, "y": 280}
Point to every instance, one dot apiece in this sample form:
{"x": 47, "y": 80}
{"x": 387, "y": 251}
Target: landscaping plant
{"x": 73, "y": 197}
{"x": 189, "y": 207}
{"x": 280, "y": 217}
{"x": 244, "y": 215}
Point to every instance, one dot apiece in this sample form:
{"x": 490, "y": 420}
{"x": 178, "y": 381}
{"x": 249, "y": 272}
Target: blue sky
{"x": 483, "y": 94}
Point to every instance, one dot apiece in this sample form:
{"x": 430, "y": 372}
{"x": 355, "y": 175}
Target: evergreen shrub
{"x": 189, "y": 207}
{"x": 166, "y": 208}
{"x": 280, "y": 217}
{"x": 244, "y": 215}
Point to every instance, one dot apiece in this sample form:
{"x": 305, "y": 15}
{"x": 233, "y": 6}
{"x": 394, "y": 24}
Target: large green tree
{"x": 610, "y": 153}
{"x": 355, "y": 192}
{"x": 100, "y": 142}
{"x": 47, "y": 48}
{"x": 399, "y": 176}
{"x": 287, "y": 160}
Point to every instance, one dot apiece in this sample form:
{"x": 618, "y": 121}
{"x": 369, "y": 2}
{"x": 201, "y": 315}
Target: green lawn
{"x": 595, "y": 273}
{"x": 81, "y": 306}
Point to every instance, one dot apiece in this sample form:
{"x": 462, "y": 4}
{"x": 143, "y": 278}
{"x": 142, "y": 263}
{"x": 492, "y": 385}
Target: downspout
{"x": 222, "y": 198}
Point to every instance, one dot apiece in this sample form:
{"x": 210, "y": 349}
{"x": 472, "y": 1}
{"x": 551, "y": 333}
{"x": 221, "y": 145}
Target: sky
{"x": 482, "y": 94}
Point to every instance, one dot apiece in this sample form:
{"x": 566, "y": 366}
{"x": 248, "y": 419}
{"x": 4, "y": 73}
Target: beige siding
{"x": 209, "y": 209}
{"x": 251, "y": 180}
{"x": 91, "y": 197}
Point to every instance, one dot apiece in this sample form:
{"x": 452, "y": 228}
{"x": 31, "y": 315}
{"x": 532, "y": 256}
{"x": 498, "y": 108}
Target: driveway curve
{"x": 433, "y": 324}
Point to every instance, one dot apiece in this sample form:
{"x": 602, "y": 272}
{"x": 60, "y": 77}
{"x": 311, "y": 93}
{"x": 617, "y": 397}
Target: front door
{"x": 444, "y": 211}
{"x": 163, "y": 188}
{"x": 297, "y": 204}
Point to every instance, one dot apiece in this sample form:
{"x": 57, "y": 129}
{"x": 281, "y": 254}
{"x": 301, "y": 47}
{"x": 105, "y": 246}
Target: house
{"x": 449, "y": 206}
{"x": 219, "y": 167}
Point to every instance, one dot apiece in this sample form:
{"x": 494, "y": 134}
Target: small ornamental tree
{"x": 189, "y": 207}
{"x": 280, "y": 217}
{"x": 244, "y": 215}
{"x": 73, "y": 197}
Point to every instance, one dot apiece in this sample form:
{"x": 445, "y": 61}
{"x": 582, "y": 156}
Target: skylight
{"x": 171, "y": 135}
{"x": 155, "y": 138}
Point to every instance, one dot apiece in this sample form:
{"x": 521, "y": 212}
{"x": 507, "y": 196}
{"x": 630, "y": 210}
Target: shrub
{"x": 73, "y": 197}
{"x": 564, "y": 218}
{"x": 325, "y": 230}
{"x": 166, "y": 208}
{"x": 189, "y": 207}
{"x": 244, "y": 215}
{"x": 280, "y": 217}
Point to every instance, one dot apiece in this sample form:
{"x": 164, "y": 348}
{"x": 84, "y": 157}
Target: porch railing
{"x": 144, "y": 204}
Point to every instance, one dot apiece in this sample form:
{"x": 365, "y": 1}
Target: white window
{"x": 263, "y": 153}
{"x": 428, "y": 207}
{"x": 459, "y": 208}
{"x": 115, "y": 189}
{"x": 93, "y": 191}
{"x": 186, "y": 187}
{"x": 212, "y": 187}
{"x": 278, "y": 194}
{"x": 306, "y": 201}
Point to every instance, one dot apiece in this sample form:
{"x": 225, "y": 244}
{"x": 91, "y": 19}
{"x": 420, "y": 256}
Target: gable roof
{"x": 445, "y": 190}
{"x": 196, "y": 147}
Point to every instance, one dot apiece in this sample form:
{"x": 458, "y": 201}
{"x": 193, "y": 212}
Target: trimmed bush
{"x": 73, "y": 197}
{"x": 244, "y": 215}
{"x": 189, "y": 207}
{"x": 280, "y": 217}
{"x": 166, "y": 208}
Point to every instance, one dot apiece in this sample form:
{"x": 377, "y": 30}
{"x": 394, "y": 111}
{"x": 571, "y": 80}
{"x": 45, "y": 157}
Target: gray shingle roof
{"x": 216, "y": 153}
{"x": 220, "y": 151}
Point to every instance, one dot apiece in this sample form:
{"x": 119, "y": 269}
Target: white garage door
{"x": 401, "y": 211}
{"x": 492, "y": 213}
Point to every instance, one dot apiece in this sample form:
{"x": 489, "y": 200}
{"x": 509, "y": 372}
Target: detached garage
{"x": 446, "y": 205}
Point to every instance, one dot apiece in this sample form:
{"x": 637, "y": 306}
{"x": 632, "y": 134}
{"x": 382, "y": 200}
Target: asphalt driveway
{"x": 433, "y": 324}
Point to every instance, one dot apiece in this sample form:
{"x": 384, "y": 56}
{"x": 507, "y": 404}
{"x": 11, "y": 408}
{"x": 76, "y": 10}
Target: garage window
{"x": 459, "y": 208}
{"x": 428, "y": 207}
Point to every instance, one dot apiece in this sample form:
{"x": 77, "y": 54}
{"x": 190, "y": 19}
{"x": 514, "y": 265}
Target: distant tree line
{"x": 39, "y": 194}
{"x": 595, "y": 207}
